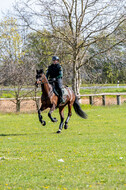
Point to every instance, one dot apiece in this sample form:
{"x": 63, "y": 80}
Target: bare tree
{"x": 15, "y": 69}
{"x": 77, "y": 23}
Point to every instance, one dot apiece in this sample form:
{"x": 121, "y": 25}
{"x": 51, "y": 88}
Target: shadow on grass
{"x": 7, "y": 135}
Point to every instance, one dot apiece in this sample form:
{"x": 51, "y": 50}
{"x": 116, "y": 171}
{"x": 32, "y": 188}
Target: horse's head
{"x": 39, "y": 77}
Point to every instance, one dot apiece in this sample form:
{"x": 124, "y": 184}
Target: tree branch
{"x": 100, "y": 52}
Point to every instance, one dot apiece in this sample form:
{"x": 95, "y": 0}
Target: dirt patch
{"x": 9, "y": 106}
{"x": 98, "y": 100}
{"x": 30, "y": 105}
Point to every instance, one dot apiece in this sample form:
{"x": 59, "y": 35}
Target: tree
{"x": 77, "y": 23}
{"x": 10, "y": 41}
{"x": 39, "y": 47}
{"x": 109, "y": 66}
{"x": 14, "y": 71}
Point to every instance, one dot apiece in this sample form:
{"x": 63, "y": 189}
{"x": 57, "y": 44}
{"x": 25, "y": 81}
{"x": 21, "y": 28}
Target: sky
{"x": 5, "y": 5}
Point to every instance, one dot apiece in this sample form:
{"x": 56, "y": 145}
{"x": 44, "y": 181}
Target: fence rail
{"x": 25, "y": 98}
{"x": 118, "y": 97}
{"x": 91, "y": 99}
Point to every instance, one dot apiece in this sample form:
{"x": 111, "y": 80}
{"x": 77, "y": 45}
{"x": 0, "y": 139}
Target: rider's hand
{"x": 53, "y": 79}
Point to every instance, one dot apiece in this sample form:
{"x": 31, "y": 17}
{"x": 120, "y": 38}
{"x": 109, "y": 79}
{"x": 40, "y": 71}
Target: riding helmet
{"x": 54, "y": 58}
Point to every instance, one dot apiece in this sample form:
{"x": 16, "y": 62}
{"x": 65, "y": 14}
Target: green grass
{"x": 95, "y": 91}
{"x": 6, "y": 94}
{"x": 93, "y": 151}
{"x": 10, "y": 94}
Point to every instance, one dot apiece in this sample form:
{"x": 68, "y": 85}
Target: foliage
{"x": 77, "y": 24}
{"x": 14, "y": 69}
{"x": 40, "y": 47}
{"x": 93, "y": 151}
{"x": 10, "y": 41}
{"x": 109, "y": 66}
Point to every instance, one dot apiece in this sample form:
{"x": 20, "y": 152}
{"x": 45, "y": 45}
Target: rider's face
{"x": 54, "y": 62}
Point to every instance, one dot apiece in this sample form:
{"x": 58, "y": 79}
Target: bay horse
{"x": 50, "y": 100}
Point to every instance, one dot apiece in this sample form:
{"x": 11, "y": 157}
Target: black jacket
{"x": 54, "y": 71}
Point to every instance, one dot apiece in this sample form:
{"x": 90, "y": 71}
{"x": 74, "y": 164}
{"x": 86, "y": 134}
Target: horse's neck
{"x": 46, "y": 88}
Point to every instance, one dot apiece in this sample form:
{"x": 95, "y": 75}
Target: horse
{"x": 50, "y": 100}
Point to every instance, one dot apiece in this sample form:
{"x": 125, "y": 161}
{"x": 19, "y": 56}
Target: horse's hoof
{"x": 55, "y": 120}
{"x": 58, "y": 131}
{"x": 43, "y": 123}
{"x": 65, "y": 126}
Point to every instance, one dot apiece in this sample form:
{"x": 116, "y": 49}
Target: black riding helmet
{"x": 55, "y": 58}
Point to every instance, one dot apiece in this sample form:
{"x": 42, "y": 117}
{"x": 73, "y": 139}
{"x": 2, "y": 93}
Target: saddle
{"x": 56, "y": 92}
{"x": 64, "y": 90}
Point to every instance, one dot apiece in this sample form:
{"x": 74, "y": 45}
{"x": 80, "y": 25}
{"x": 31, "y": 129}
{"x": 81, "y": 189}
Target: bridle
{"x": 51, "y": 91}
{"x": 42, "y": 79}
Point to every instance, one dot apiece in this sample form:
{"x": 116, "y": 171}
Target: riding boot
{"x": 61, "y": 97}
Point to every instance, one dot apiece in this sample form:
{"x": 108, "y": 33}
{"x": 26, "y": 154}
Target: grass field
{"x": 98, "y": 90}
{"x": 10, "y": 94}
{"x": 90, "y": 154}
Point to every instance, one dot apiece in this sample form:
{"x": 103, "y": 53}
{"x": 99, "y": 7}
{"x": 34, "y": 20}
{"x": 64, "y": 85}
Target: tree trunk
{"x": 78, "y": 82}
{"x": 18, "y": 105}
{"x": 74, "y": 74}
{"x": 76, "y": 78}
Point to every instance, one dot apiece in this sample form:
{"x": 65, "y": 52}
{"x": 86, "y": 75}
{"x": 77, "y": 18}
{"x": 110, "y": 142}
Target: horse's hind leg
{"x": 68, "y": 117}
{"x": 61, "y": 109}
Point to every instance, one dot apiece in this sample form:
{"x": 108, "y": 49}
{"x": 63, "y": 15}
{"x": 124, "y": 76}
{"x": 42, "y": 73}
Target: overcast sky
{"x": 5, "y": 5}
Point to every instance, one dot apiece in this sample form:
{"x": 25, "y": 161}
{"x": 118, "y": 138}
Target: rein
{"x": 41, "y": 80}
{"x": 51, "y": 91}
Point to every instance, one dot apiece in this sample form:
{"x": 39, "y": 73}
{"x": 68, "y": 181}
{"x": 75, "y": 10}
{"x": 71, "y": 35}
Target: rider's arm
{"x": 47, "y": 73}
{"x": 60, "y": 75}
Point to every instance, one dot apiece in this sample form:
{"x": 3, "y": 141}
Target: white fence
{"x": 103, "y": 95}
{"x": 28, "y": 104}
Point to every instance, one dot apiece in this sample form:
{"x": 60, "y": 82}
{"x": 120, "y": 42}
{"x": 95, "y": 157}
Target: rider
{"x": 55, "y": 73}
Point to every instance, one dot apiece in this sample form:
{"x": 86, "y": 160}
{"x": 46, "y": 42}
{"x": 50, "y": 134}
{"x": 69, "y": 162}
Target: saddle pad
{"x": 65, "y": 92}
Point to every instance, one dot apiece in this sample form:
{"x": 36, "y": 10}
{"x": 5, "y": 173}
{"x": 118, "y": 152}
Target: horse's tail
{"x": 78, "y": 109}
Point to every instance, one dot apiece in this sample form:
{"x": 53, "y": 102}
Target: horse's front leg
{"x": 50, "y": 112}
{"x": 40, "y": 116}
{"x": 61, "y": 109}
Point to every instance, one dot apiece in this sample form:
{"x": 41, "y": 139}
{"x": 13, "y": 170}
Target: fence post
{"x": 118, "y": 100}
{"x": 91, "y": 100}
{"x": 79, "y": 99}
{"x": 103, "y": 100}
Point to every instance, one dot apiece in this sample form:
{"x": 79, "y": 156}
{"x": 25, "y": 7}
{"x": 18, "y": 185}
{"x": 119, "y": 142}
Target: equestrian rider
{"x": 55, "y": 74}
